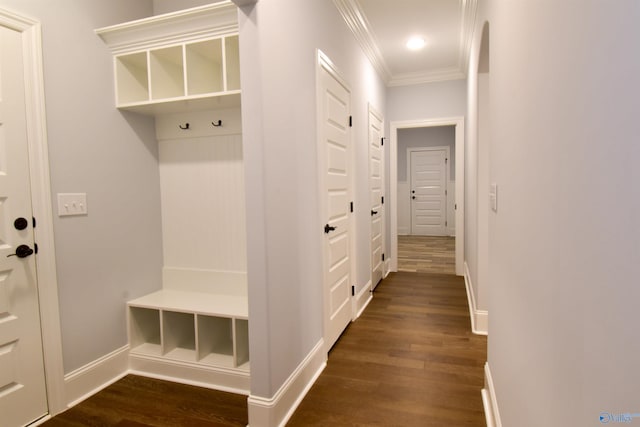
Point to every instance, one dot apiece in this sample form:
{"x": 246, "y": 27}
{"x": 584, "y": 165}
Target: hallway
{"x": 427, "y": 254}
{"x": 409, "y": 360}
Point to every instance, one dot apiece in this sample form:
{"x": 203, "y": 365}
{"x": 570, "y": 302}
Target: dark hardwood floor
{"x": 142, "y": 402}
{"x": 427, "y": 254}
{"x": 409, "y": 360}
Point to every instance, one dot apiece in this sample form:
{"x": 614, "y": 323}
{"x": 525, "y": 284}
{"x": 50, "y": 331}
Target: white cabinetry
{"x": 191, "y": 327}
{"x": 187, "y": 60}
{"x": 184, "y": 69}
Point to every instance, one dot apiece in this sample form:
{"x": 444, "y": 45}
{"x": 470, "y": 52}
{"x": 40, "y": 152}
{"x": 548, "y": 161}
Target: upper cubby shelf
{"x": 180, "y": 61}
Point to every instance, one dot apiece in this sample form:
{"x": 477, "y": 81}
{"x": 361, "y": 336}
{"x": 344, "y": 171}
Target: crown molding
{"x": 357, "y": 22}
{"x": 439, "y": 75}
{"x": 189, "y": 24}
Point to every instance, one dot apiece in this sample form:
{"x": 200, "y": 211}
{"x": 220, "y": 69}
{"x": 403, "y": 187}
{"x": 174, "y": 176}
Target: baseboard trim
{"x": 479, "y": 318}
{"x": 276, "y": 411}
{"x": 41, "y": 421}
{"x": 95, "y": 376}
{"x": 229, "y": 380}
{"x": 362, "y": 300}
{"x": 489, "y": 400}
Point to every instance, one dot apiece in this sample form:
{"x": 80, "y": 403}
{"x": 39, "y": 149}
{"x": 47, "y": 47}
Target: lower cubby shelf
{"x": 192, "y": 330}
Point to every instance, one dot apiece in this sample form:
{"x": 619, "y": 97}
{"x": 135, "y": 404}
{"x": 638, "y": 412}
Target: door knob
{"x": 20, "y": 223}
{"x": 413, "y": 197}
{"x": 373, "y": 212}
{"x": 22, "y": 251}
{"x": 328, "y": 228}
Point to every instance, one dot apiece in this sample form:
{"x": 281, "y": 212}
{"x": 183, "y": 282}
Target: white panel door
{"x": 22, "y": 386}
{"x": 429, "y": 192}
{"x": 376, "y": 168}
{"x": 335, "y": 152}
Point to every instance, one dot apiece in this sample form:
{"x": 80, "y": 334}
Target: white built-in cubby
{"x": 177, "y": 61}
{"x": 184, "y": 69}
{"x": 211, "y": 330}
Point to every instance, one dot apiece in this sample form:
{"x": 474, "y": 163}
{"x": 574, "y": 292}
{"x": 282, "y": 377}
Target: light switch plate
{"x": 72, "y": 204}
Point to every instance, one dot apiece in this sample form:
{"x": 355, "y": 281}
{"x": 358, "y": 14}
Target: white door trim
{"x": 458, "y": 122}
{"x": 41, "y": 204}
{"x": 447, "y": 150}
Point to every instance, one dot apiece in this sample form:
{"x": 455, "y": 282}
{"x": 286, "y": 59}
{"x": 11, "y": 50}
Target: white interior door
{"x": 22, "y": 385}
{"x": 376, "y": 168}
{"x": 335, "y": 152}
{"x": 429, "y": 192}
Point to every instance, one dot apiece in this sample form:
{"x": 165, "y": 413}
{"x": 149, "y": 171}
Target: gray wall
{"x": 425, "y": 101}
{"x": 438, "y": 136}
{"x": 166, "y": 6}
{"x": 419, "y": 102}
{"x": 280, "y": 153}
{"x": 114, "y": 253}
{"x": 564, "y": 315}
{"x": 477, "y": 159}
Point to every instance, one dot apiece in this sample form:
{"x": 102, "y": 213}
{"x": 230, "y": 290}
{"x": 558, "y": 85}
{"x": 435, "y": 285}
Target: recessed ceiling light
{"x": 416, "y": 43}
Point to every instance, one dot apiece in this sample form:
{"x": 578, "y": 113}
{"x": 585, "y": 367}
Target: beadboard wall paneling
{"x": 203, "y": 203}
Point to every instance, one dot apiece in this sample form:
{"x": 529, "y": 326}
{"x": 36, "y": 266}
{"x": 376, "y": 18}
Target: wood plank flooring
{"x": 409, "y": 360}
{"x": 427, "y": 254}
{"x": 143, "y": 402}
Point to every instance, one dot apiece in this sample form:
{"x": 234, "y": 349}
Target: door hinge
{"x": 382, "y": 141}
{"x": 350, "y": 121}
{"x": 351, "y": 206}
{"x": 446, "y": 160}
{"x": 455, "y": 207}
{"x": 34, "y": 221}
{"x": 353, "y": 291}
{"x": 446, "y": 224}
{"x": 382, "y": 200}
{"x": 383, "y": 257}
{"x": 446, "y": 192}
{"x": 35, "y": 248}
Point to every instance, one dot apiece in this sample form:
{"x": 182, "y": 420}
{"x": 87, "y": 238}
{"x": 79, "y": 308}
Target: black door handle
{"x": 373, "y": 212}
{"x": 22, "y": 251}
{"x": 328, "y": 228}
{"x": 20, "y": 223}
{"x": 413, "y": 197}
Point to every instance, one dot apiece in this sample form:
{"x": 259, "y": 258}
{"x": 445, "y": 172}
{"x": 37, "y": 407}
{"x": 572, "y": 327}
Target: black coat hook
{"x": 217, "y": 124}
{"x": 185, "y": 127}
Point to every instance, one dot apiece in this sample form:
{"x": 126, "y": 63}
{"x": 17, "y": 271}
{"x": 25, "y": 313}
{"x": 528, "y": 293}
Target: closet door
{"x": 376, "y": 182}
{"x": 335, "y": 169}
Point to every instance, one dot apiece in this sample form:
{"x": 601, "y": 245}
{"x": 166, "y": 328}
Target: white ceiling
{"x": 382, "y": 27}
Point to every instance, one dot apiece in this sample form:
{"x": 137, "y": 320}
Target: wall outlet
{"x": 72, "y": 204}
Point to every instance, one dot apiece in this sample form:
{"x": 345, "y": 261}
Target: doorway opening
{"x": 449, "y": 210}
